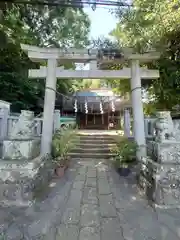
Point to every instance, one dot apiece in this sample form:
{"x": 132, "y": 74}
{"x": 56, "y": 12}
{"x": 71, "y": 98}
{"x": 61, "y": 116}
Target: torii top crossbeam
{"x": 83, "y": 55}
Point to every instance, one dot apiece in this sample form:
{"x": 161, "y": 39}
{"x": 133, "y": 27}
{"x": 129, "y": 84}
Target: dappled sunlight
{"x": 101, "y": 166}
{"x": 52, "y": 184}
{"x": 98, "y": 164}
{"x": 72, "y": 169}
{"x": 133, "y": 198}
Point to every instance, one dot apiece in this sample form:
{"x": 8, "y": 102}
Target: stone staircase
{"x": 93, "y": 146}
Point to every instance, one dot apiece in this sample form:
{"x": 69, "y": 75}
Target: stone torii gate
{"x": 53, "y": 56}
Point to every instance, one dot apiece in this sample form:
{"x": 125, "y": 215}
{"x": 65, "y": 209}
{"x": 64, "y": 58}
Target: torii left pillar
{"x": 50, "y": 56}
{"x": 49, "y": 105}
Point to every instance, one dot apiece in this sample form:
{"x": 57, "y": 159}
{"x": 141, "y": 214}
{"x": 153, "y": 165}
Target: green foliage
{"x": 150, "y": 108}
{"x": 35, "y": 25}
{"x": 153, "y": 24}
{"x": 125, "y": 151}
{"x": 147, "y": 24}
{"x": 23, "y": 93}
{"x": 62, "y": 143}
{"x": 90, "y": 83}
{"x": 14, "y": 83}
{"x": 45, "y": 25}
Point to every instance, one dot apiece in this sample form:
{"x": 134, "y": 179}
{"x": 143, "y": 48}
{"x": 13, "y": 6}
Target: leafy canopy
{"x": 153, "y": 24}
{"x": 35, "y": 25}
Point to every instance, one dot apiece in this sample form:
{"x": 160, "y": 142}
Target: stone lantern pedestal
{"x": 160, "y": 170}
{"x": 23, "y": 171}
{"x": 21, "y": 144}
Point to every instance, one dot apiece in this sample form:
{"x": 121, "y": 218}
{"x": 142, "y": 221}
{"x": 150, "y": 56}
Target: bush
{"x": 125, "y": 152}
{"x": 62, "y": 143}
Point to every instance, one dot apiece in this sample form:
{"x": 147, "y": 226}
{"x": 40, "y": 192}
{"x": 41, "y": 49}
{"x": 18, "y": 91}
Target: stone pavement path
{"x": 93, "y": 203}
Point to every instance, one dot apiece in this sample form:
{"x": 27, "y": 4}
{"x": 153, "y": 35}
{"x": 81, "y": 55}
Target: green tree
{"x": 35, "y": 25}
{"x": 154, "y": 24}
{"x": 90, "y": 84}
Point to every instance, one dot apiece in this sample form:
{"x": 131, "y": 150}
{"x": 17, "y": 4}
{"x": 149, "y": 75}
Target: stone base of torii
{"x": 53, "y": 56}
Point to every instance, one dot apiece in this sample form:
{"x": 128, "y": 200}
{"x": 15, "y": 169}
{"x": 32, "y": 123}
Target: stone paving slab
{"x": 67, "y": 232}
{"x": 107, "y": 208}
{"x": 91, "y": 173}
{"x": 89, "y": 233}
{"x": 102, "y": 174}
{"x": 103, "y": 186}
{"x": 91, "y": 202}
{"x": 80, "y": 177}
{"x": 111, "y": 229}
{"x": 91, "y": 182}
{"x": 74, "y": 198}
{"x": 78, "y": 185}
{"x": 83, "y": 170}
{"x": 90, "y": 195}
{"x": 71, "y": 215}
{"x": 90, "y": 215}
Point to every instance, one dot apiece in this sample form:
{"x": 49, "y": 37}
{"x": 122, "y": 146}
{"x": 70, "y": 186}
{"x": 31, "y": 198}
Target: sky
{"x": 102, "y": 22}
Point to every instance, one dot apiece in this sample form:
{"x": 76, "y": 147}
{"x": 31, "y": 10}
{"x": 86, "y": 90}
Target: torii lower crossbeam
{"x": 125, "y": 73}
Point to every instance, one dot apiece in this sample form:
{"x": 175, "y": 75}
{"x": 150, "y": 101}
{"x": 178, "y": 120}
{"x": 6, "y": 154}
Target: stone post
{"x": 138, "y": 116}
{"x": 127, "y": 124}
{"x": 93, "y": 65}
{"x": 4, "y": 123}
{"x": 56, "y": 120}
{"x": 49, "y": 103}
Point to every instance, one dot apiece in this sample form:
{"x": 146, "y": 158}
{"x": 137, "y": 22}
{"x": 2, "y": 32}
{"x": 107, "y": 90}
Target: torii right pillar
{"x": 138, "y": 115}
{"x": 137, "y": 104}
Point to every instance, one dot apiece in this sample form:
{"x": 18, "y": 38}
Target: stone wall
{"x": 20, "y": 181}
{"x": 159, "y": 176}
{"x": 160, "y": 182}
{"x": 20, "y": 149}
{"x": 23, "y": 170}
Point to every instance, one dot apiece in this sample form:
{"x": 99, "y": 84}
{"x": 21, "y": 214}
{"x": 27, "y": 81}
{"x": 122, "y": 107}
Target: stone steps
{"x": 91, "y": 137}
{"x": 94, "y": 141}
{"x": 95, "y": 145}
{"x": 91, "y": 155}
{"x": 90, "y": 150}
